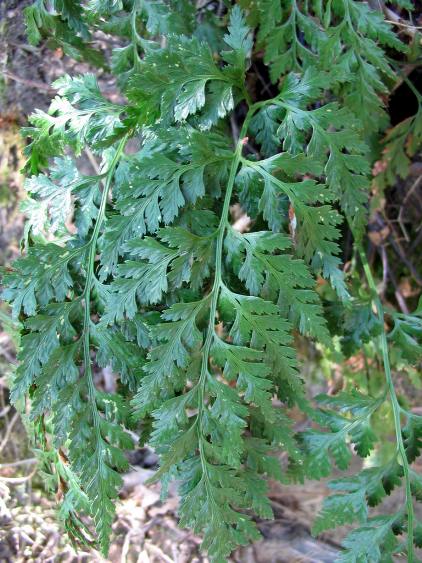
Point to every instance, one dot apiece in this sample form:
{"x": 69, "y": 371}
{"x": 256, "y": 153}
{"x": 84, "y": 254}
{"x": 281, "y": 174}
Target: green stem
{"x": 88, "y": 284}
{"x": 394, "y": 403}
{"x": 405, "y": 79}
{"x": 410, "y": 84}
{"x": 135, "y": 36}
{"x": 215, "y": 292}
{"x": 292, "y": 20}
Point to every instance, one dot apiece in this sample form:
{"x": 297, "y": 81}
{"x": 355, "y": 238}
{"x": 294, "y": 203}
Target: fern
{"x": 198, "y": 318}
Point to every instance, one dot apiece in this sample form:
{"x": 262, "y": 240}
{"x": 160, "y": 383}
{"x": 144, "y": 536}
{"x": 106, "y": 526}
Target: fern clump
{"x": 197, "y": 316}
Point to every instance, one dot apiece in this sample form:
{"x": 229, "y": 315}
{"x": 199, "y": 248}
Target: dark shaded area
{"x": 403, "y": 103}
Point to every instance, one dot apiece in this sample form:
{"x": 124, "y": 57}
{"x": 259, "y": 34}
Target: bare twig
{"x": 417, "y": 241}
{"x": 92, "y": 160}
{"x": 265, "y": 86}
{"x": 9, "y": 429}
{"x": 402, "y": 207}
{"x": 384, "y": 259}
{"x": 23, "y": 47}
{"x": 5, "y": 410}
{"x": 235, "y": 129}
{"x": 28, "y": 461}
{"x": 395, "y": 19}
{"x": 125, "y": 547}
{"x": 19, "y": 480}
{"x": 401, "y": 24}
{"x": 31, "y": 83}
{"x": 155, "y": 550}
{"x": 388, "y": 273}
{"x": 396, "y": 246}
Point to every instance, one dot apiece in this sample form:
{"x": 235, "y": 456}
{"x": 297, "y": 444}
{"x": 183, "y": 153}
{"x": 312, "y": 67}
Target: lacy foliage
{"x": 198, "y": 318}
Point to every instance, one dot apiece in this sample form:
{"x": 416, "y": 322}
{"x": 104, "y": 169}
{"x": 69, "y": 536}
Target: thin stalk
{"x": 221, "y": 230}
{"x": 88, "y": 284}
{"x": 395, "y": 406}
{"x": 135, "y": 36}
{"x": 406, "y": 79}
